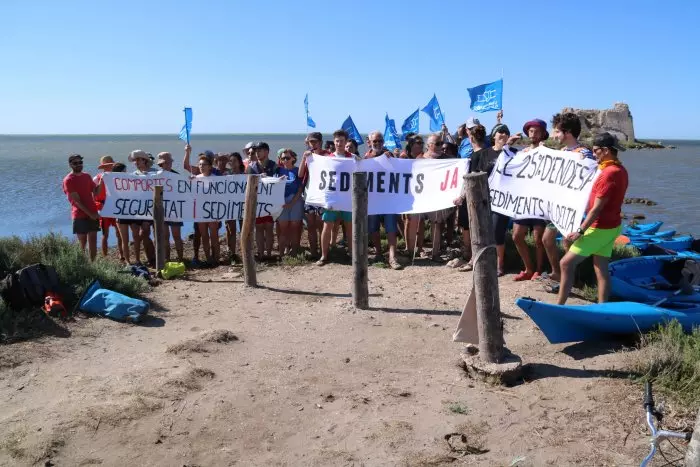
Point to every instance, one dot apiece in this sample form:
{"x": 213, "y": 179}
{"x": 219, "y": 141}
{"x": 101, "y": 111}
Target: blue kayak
{"x": 576, "y": 323}
{"x": 648, "y": 279}
{"x": 664, "y": 234}
{"x": 650, "y": 228}
{"x": 680, "y": 243}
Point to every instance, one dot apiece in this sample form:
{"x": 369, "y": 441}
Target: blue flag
{"x": 187, "y": 127}
{"x": 486, "y": 97}
{"x": 465, "y": 149}
{"x": 351, "y": 129}
{"x": 410, "y": 125}
{"x": 391, "y": 136}
{"x": 432, "y": 108}
{"x": 309, "y": 121}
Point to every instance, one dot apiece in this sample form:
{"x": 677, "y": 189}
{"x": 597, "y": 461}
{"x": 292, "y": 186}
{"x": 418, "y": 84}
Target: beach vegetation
{"x": 670, "y": 359}
{"x": 75, "y": 273}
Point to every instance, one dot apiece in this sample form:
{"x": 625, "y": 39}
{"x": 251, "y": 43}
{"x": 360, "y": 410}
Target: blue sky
{"x": 130, "y": 66}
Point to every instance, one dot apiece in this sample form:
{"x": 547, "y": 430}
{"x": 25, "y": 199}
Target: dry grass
{"x": 199, "y": 343}
{"x": 135, "y": 407}
{"x": 190, "y": 380}
{"x": 670, "y": 358}
{"x": 219, "y": 336}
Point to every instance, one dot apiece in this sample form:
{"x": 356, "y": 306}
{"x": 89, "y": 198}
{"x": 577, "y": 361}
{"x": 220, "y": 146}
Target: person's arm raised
{"x": 186, "y": 162}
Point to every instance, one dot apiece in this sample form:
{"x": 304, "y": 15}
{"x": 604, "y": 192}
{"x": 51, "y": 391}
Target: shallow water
{"x": 32, "y": 202}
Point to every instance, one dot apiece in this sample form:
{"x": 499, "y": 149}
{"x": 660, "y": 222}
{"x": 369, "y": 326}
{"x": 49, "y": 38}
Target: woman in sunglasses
{"x": 290, "y": 221}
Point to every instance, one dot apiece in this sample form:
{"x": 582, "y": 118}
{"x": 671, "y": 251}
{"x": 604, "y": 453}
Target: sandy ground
{"x": 291, "y": 374}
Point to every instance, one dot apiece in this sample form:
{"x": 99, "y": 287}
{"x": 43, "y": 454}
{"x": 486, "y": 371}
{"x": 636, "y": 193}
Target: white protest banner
{"x": 543, "y": 184}
{"x": 395, "y": 186}
{"x": 188, "y": 199}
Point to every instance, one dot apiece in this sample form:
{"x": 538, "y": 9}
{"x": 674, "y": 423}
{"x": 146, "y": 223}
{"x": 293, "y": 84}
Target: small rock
{"x": 159, "y": 441}
{"x": 347, "y": 360}
{"x": 319, "y": 406}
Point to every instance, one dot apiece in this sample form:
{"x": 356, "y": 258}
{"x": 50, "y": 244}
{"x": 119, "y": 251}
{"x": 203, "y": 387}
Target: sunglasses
{"x": 77, "y": 163}
{"x": 377, "y": 141}
{"x": 285, "y": 158}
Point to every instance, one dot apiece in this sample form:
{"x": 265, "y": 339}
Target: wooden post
{"x": 488, "y": 305}
{"x": 247, "y": 237}
{"x": 692, "y": 455}
{"x": 159, "y": 227}
{"x": 360, "y": 286}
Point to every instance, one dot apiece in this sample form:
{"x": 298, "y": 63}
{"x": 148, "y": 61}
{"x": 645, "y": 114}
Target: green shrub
{"x": 74, "y": 270}
{"x": 670, "y": 358}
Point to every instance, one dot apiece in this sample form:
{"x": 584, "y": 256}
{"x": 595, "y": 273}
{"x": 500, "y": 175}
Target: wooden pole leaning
{"x": 488, "y": 305}
{"x": 360, "y": 262}
{"x": 159, "y": 234}
{"x": 248, "y": 229}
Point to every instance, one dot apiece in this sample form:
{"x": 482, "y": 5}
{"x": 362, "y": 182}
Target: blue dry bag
{"x": 112, "y": 304}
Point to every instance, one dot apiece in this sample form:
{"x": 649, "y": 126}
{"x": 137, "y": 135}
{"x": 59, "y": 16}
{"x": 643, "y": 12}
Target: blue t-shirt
{"x": 293, "y": 180}
{"x": 465, "y": 149}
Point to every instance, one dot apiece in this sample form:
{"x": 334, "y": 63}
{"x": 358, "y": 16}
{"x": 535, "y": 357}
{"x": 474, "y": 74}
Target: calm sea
{"x": 32, "y": 202}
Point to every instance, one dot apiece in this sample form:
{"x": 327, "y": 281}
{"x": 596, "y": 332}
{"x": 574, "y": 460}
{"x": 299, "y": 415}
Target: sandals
{"x": 467, "y": 267}
{"x": 321, "y": 262}
{"x": 523, "y": 276}
{"x": 395, "y": 265}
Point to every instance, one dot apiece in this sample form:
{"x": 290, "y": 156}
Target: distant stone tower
{"x": 617, "y": 121}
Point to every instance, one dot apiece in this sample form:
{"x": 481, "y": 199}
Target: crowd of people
{"x": 595, "y": 237}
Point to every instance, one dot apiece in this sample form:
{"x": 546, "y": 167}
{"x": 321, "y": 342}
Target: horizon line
{"x": 176, "y": 136}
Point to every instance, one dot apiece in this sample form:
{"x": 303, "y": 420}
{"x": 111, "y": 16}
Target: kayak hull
{"x": 680, "y": 243}
{"x": 650, "y": 228}
{"x": 577, "y": 323}
{"x": 647, "y": 279}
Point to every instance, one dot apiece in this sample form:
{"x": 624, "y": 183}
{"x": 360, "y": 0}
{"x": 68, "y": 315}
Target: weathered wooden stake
{"x": 692, "y": 455}
{"x": 159, "y": 227}
{"x": 360, "y": 286}
{"x": 488, "y": 305}
{"x": 247, "y": 236}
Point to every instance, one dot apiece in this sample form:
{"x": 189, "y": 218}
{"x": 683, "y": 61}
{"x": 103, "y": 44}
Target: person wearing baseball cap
{"x": 80, "y": 190}
{"x": 603, "y": 223}
{"x": 261, "y": 164}
{"x": 536, "y": 130}
{"x": 314, "y": 224}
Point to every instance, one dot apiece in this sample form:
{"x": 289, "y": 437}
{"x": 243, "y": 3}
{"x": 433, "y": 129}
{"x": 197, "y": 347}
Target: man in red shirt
{"x": 602, "y": 224}
{"x": 80, "y": 189}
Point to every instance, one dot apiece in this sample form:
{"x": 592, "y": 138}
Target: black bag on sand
{"x": 28, "y": 286}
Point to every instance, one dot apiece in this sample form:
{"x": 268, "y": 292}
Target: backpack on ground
{"x": 28, "y": 287}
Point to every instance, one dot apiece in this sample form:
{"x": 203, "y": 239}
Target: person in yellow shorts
{"x": 597, "y": 233}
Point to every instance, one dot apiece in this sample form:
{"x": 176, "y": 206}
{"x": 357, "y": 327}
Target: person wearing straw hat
{"x": 140, "y": 229}
{"x": 106, "y": 165}
{"x": 536, "y": 130}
